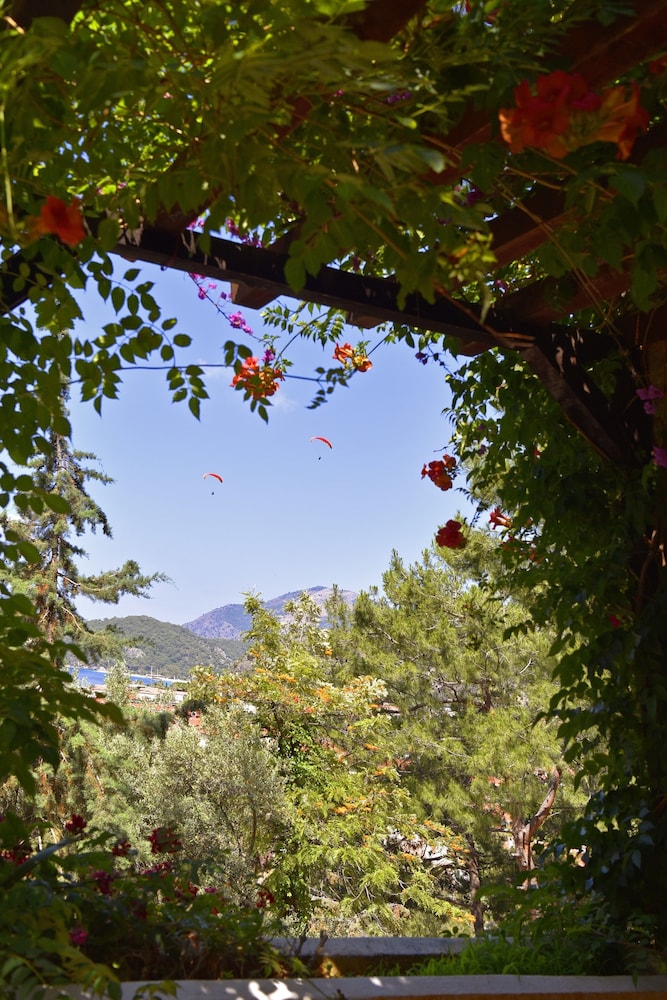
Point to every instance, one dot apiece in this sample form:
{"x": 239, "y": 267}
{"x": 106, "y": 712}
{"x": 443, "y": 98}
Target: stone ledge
{"x": 409, "y": 988}
{"x": 361, "y": 956}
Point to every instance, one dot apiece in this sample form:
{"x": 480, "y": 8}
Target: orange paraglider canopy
{"x": 325, "y": 440}
{"x": 214, "y": 474}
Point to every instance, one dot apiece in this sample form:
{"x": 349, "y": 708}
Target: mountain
{"x": 169, "y": 650}
{"x": 229, "y": 621}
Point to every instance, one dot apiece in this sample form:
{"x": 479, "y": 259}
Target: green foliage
{"x": 465, "y": 701}
{"x": 169, "y": 650}
{"x": 283, "y": 118}
{"x": 500, "y": 956}
{"x": 86, "y": 910}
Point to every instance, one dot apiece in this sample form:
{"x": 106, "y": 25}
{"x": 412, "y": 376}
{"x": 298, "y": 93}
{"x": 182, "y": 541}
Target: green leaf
{"x": 628, "y": 181}
{"x": 56, "y": 503}
{"x": 117, "y": 298}
{"x": 295, "y": 273}
{"x": 108, "y": 233}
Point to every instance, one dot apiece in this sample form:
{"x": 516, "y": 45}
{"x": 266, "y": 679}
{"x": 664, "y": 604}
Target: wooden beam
{"x": 553, "y": 353}
{"x": 555, "y": 362}
{"x": 256, "y": 267}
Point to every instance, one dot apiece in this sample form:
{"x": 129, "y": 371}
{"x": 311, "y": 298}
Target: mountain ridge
{"x": 213, "y": 639}
{"x": 230, "y": 620}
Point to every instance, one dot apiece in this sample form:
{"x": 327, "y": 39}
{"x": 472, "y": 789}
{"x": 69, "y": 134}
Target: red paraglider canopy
{"x": 214, "y": 474}
{"x": 325, "y": 440}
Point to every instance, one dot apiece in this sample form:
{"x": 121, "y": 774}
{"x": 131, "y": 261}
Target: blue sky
{"x": 290, "y": 514}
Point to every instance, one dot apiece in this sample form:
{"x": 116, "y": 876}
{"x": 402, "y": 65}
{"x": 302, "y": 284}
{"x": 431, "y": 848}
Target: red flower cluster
{"x": 350, "y": 358}
{"x": 76, "y": 824}
{"x": 65, "y": 221}
{"x": 438, "y": 472}
{"x": 121, "y": 849}
{"x": 451, "y": 537}
{"x": 264, "y": 898}
{"x": 103, "y": 881}
{"x": 258, "y": 382}
{"x": 561, "y": 114}
{"x": 163, "y": 840}
{"x": 17, "y": 855}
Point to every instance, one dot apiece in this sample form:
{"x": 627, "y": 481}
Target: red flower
{"x": 65, "y": 221}
{"x": 541, "y": 119}
{"x": 450, "y": 537}
{"x": 257, "y": 382}
{"x": 249, "y": 367}
{"x": 361, "y": 362}
{"x": 437, "y": 473}
{"x": 622, "y": 119}
{"x": 76, "y": 824}
{"x": 103, "y": 881}
{"x": 498, "y": 519}
{"x": 17, "y": 855}
{"x": 139, "y": 910}
{"x": 564, "y": 114}
{"x": 264, "y": 898}
{"x": 342, "y": 352}
{"x": 121, "y": 849}
{"x": 163, "y": 840}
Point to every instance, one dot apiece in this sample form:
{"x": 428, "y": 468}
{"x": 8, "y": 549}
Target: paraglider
{"x": 325, "y": 441}
{"x": 214, "y": 475}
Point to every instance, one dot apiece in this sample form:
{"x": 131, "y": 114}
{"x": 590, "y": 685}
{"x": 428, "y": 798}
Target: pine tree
{"x": 47, "y": 528}
{"x": 466, "y": 698}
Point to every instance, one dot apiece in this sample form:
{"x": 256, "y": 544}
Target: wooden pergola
{"x": 526, "y": 321}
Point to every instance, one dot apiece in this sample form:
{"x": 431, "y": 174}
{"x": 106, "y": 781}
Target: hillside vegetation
{"x": 169, "y": 650}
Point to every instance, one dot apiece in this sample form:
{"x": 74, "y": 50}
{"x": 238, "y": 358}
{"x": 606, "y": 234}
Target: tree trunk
{"x": 524, "y": 830}
{"x": 476, "y": 905}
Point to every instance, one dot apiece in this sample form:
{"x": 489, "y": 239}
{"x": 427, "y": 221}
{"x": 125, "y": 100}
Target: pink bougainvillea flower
{"x": 614, "y": 621}
{"x": 64, "y": 221}
{"x": 78, "y": 936}
{"x": 649, "y": 397}
{"x": 450, "y": 537}
{"x": 236, "y": 320}
{"x": 660, "y": 456}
